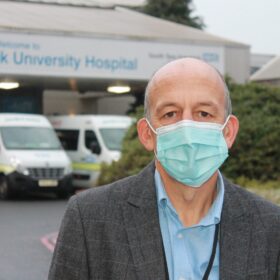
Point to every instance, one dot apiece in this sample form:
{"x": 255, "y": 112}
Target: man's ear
{"x": 231, "y": 130}
{"x": 145, "y": 135}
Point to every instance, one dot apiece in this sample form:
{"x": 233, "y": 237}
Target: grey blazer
{"x": 113, "y": 232}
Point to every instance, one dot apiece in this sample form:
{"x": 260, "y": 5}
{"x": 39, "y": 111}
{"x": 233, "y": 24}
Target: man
{"x": 179, "y": 218}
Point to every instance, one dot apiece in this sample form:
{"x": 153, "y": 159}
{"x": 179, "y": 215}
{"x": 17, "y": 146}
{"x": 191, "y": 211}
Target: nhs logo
{"x": 210, "y": 57}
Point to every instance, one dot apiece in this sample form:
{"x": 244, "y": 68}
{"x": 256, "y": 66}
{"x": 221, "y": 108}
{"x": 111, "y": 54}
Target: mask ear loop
{"x": 149, "y": 124}
{"x": 224, "y": 125}
{"x": 153, "y": 130}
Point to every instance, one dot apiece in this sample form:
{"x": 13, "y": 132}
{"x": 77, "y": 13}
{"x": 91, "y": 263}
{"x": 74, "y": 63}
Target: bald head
{"x": 194, "y": 70}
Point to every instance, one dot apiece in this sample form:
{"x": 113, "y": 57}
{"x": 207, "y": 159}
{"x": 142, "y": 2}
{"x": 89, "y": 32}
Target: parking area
{"x": 28, "y": 232}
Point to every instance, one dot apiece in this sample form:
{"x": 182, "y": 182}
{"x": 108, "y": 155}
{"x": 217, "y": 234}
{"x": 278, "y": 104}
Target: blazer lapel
{"x": 235, "y": 236}
{"x": 143, "y": 230}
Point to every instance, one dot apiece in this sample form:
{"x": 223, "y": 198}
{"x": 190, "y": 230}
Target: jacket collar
{"x": 143, "y": 191}
{"x": 142, "y": 227}
{"x": 235, "y": 234}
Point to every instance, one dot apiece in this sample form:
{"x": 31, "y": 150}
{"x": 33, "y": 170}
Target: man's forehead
{"x": 185, "y": 74}
{"x": 189, "y": 76}
{"x": 186, "y": 68}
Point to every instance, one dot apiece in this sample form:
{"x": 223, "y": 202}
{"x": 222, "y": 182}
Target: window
{"x": 91, "y": 142}
{"x": 113, "y": 137}
{"x": 68, "y": 138}
{"x": 30, "y": 138}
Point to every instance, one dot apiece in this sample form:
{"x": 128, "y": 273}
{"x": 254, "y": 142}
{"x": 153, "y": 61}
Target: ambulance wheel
{"x": 5, "y": 190}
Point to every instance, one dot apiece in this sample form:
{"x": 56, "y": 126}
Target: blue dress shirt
{"x": 188, "y": 249}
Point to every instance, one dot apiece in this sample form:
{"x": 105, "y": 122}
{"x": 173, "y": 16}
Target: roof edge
{"x": 229, "y": 41}
{"x": 94, "y": 4}
{"x": 257, "y": 75}
{"x": 112, "y": 36}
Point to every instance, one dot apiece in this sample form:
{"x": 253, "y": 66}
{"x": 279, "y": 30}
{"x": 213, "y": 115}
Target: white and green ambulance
{"x": 31, "y": 157}
{"x": 90, "y": 140}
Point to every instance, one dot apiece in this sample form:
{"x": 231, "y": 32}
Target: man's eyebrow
{"x": 165, "y": 104}
{"x": 208, "y": 104}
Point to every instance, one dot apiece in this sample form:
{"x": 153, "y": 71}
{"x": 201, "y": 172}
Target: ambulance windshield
{"x": 113, "y": 137}
{"x": 30, "y": 138}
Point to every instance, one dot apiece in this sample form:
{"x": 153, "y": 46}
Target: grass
{"x": 269, "y": 190}
{"x": 269, "y": 194}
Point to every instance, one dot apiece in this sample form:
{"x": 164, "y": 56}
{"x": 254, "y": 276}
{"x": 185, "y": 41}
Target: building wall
{"x": 257, "y": 61}
{"x": 69, "y": 102}
{"x": 114, "y": 105}
{"x": 237, "y": 63}
{"x": 61, "y": 102}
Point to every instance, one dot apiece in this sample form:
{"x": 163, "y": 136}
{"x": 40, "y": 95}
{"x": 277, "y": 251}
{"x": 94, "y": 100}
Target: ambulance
{"x": 31, "y": 157}
{"x": 90, "y": 140}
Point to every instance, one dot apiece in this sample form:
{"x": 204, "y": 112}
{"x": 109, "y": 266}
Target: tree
{"x": 174, "y": 10}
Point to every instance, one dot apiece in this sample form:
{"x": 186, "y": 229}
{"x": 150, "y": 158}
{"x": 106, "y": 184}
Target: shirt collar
{"x": 162, "y": 198}
{"x": 214, "y": 214}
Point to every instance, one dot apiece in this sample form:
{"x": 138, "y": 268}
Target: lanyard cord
{"x": 213, "y": 254}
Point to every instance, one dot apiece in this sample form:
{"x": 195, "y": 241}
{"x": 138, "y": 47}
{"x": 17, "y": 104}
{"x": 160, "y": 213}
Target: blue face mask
{"x": 191, "y": 151}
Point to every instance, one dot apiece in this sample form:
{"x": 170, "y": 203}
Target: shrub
{"x": 256, "y": 153}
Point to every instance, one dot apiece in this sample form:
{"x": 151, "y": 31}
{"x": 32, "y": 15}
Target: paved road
{"x": 23, "y": 223}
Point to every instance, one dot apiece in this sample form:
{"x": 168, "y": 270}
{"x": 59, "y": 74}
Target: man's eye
{"x": 204, "y": 114}
{"x": 170, "y": 115}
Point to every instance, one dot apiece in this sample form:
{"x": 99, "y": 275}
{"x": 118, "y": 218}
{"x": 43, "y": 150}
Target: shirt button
{"x": 181, "y": 278}
{"x": 180, "y": 236}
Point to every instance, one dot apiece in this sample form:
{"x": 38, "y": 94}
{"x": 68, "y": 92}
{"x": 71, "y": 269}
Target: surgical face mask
{"x": 191, "y": 151}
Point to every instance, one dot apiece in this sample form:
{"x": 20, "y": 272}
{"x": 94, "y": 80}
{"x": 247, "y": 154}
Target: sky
{"x": 253, "y": 22}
